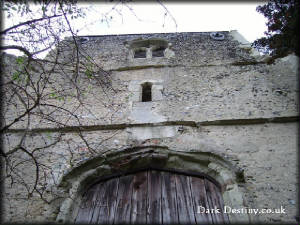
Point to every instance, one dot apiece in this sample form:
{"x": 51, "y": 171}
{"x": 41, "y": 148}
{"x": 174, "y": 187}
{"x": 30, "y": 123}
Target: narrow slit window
{"x": 140, "y": 54}
{"x": 146, "y": 92}
{"x": 158, "y": 52}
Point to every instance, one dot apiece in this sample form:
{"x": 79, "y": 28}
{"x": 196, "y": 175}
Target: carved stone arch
{"x": 215, "y": 166}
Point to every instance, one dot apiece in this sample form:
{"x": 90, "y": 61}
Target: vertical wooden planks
{"x": 168, "y": 196}
{"x": 213, "y": 201}
{"x": 200, "y": 200}
{"x": 87, "y": 205}
{"x": 139, "y": 198}
{"x": 112, "y": 192}
{"x": 153, "y": 197}
{"x": 154, "y": 215}
{"x": 106, "y": 202}
{"x": 184, "y": 200}
{"x": 97, "y": 203}
{"x": 123, "y": 203}
{"x": 220, "y": 203}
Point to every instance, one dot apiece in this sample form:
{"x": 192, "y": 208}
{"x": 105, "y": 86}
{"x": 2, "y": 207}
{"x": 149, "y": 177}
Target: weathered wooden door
{"x": 152, "y": 197}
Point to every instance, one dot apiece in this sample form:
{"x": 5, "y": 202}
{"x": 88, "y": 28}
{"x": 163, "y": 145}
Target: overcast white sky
{"x": 188, "y": 17}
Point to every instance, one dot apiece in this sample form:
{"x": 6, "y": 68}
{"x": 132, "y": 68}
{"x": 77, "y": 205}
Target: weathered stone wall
{"x": 209, "y": 79}
{"x": 266, "y": 152}
{"x": 210, "y": 96}
{"x": 201, "y": 82}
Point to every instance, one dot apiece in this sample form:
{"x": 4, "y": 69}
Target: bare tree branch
{"x": 24, "y": 50}
{"x": 27, "y": 23}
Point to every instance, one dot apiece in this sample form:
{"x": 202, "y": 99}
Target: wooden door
{"x": 152, "y": 197}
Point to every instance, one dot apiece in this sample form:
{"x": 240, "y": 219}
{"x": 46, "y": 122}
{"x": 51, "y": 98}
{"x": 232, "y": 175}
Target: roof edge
{"x": 107, "y": 35}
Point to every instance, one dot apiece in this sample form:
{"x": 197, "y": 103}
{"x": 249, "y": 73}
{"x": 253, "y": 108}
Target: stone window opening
{"x": 149, "y": 48}
{"x": 147, "y": 92}
{"x": 140, "y": 53}
{"x": 159, "y": 52}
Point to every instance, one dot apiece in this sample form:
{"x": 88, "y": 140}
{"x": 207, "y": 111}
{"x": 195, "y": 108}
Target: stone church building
{"x": 195, "y": 128}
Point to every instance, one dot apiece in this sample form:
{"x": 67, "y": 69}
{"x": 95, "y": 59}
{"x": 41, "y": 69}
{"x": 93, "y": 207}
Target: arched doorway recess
{"x": 217, "y": 169}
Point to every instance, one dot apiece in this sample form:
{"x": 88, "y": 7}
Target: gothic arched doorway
{"x": 153, "y": 197}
